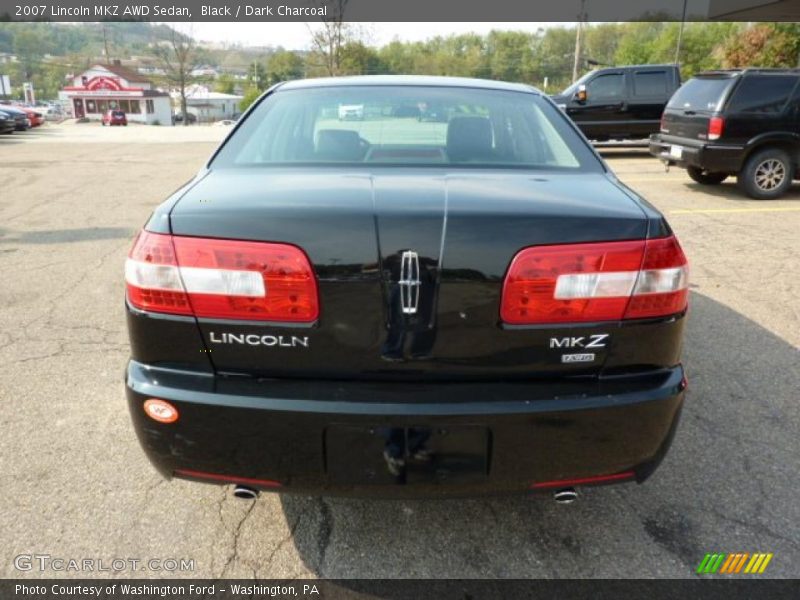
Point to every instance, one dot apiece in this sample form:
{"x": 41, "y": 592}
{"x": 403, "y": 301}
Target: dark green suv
{"x": 736, "y": 122}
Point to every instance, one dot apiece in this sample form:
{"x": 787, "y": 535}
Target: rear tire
{"x": 706, "y": 177}
{"x": 767, "y": 174}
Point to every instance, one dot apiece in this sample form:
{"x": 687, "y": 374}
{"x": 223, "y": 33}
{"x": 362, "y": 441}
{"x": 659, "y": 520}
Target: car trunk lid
{"x": 410, "y": 265}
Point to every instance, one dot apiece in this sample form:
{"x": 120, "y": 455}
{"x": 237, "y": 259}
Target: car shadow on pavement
{"x": 729, "y": 484}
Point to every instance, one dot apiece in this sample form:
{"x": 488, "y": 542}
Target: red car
{"x": 36, "y": 118}
{"x": 114, "y": 117}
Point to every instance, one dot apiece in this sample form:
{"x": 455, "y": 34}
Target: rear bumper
{"x": 714, "y": 158}
{"x": 295, "y": 432}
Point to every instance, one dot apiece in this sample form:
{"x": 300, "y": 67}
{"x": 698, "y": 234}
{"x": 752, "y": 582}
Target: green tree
{"x": 251, "y": 94}
{"x": 30, "y": 47}
{"x": 638, "y": 44}
{"x": 225, "y": 84}
{"x": 359, "y": 59}
{"x": 601, "y": 42}
{"x": 257, "y": 75}
{"x": 398, "y": 57}
{"x": 554, "y": 56}
{"x": 284, "y": 66}
{"x": 510, "y": 55}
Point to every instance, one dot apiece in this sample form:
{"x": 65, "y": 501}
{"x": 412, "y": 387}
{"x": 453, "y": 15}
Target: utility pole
{"x": 680, "y": 35}
{"x": 578, "y": 32}
{"x": 105, "y": 43}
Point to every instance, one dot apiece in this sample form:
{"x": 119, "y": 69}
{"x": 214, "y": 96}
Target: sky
{"x": 295, "y": 36}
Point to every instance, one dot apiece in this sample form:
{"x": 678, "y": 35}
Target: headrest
{"x": 469, "y": 138}
{"x": 339, "y": 144}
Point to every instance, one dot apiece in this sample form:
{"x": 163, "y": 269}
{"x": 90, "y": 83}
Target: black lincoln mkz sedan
{"x": 401, "y": 306}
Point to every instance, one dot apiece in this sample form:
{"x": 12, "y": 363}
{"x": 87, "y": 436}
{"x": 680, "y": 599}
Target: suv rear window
{"x": 702, "y": 93}
{"x": 406, "y": 125}
{"x": 762, "y": 93}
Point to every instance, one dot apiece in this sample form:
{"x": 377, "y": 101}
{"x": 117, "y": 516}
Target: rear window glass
{"x": 119, "y": 113}
{"x": 650, "y": 83}
{"x": 704, "y": 94}
{"x": 762, "y": 93}
{"x": 406, "y": 125}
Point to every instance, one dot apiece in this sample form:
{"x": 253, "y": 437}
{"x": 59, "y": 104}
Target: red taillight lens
{"x": 715, "y": 127}
{"x": 151, "y": 274}
{"x": 574, "y": 282}
{"x": 662, "y": 287}
{"x": 224, "y": 279}
{"x": 595, "y": 282}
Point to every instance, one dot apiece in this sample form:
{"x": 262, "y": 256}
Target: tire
{"x": 767, "y": 174}
{"x": 705, "y": 177}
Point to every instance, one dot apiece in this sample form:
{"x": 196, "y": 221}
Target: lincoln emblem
{"x": 409, "y": 282}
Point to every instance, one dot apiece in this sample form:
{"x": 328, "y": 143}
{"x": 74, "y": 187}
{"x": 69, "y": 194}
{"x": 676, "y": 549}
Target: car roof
{"x": 408, "y": 80}
{"x": 641, "y": 66}
{"x": 747, "y": 71}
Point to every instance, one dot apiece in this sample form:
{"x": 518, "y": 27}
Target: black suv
{"x": 737, "y": 122}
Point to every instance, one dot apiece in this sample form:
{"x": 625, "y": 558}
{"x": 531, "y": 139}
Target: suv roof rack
{"x": 745, "y": 70}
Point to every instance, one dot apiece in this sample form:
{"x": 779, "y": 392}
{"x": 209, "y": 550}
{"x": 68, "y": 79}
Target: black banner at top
{"x": 400, "y": 10}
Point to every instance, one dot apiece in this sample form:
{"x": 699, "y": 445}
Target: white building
{"x": 111, "y": 86}
{"x": 206, "y": 105}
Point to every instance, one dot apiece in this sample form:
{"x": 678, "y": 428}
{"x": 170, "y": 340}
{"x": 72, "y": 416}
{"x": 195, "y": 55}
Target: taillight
{"x": 663, "y": 124}
{"x": 662, "y": 287}
{"x": 152, "y": 276}
{"x": 603, "y": 281}
{"x": 715, "y": 127}
{"x": 223, "y": 279}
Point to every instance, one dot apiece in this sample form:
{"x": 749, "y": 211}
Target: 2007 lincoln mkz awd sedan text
{"x": 450, "y": 294}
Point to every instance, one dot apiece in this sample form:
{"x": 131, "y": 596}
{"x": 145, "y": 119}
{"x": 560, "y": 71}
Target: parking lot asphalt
{"x": 76, "y": 484}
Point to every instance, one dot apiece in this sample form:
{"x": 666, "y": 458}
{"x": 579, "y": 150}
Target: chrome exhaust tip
{"x": 245, "y": 493}
{"x": 565, "y": 496}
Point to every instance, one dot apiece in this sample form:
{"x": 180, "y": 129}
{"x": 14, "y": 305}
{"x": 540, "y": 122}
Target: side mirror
{"x": 581, "y": 95}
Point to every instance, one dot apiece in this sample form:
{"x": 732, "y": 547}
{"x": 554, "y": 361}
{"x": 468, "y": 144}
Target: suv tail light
{"x": 223, "y": 279}
{"x": 603, "y": 281}
{"x": 715, "y": 127}
{"x": 663, "y": 124}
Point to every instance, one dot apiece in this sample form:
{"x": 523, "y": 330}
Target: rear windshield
{"x": 703, "y": 94}
{"x": 406, "y": 125}
{"x": 119, "y": 113}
